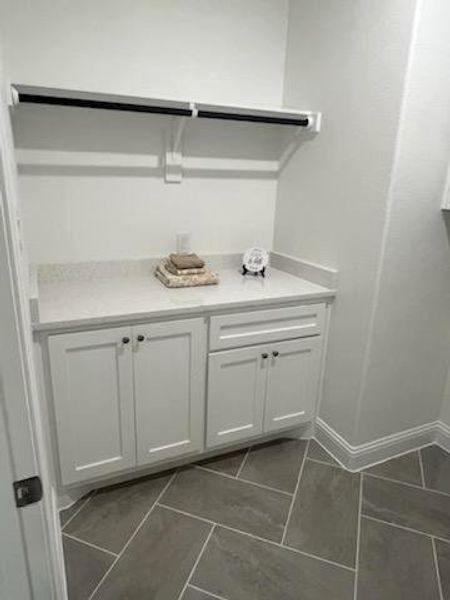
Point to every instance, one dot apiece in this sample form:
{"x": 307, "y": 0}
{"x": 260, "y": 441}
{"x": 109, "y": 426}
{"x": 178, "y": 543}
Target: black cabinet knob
{"x": 275, "y": 353}
{"x": 140, "y": 338}
{"x": 265, "y": 355}
{"x": 125, "y": 340}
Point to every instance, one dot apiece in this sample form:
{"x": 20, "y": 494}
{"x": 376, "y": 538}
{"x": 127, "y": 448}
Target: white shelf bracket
{"x": 13, "y": 97}
{"x": 301, "y": 134}
{"x": 173, "y": 157}
{"x": 194, "y": 109}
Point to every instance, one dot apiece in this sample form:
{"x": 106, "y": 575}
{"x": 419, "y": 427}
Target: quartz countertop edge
{"x": 113, "y": 301}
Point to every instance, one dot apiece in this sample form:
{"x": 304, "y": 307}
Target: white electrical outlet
{"x": 183, "y": 243}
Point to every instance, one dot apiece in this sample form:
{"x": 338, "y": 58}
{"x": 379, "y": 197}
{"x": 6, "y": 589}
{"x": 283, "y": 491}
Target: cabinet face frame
{"x": 64, "y": 383}
{"x": 171, "y": 372}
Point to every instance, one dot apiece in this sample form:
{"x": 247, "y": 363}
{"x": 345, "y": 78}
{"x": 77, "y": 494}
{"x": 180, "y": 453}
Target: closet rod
{"x": 104, "y": 105}
{"x": 300, "y": 122}
{"x": 30, "y": 98}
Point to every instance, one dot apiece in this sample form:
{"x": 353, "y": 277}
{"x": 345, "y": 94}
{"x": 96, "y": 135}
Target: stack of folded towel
{"x": 185, "y": 270}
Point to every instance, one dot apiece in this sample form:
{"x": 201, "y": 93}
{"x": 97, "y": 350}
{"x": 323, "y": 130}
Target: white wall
{"x": 192, "y": 49}
{"x": 347, "y": 59}
{"x": 81, "y": 214}
{"x": 229, "y": 51}
{"x": 365, "y": 196}
{"x": 65, "y": 223}
{"x": 409, "y": 348}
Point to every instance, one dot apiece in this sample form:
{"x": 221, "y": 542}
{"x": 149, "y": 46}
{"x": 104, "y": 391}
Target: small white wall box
{"x": 183, "y": 242}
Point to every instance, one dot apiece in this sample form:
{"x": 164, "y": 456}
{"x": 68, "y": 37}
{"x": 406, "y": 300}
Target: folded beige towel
{"x": 176, "y": 281}
{"x": 172, "y": 269}
{"x": 187, "y": 261}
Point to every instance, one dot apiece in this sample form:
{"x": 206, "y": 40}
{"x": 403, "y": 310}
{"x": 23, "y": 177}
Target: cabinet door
{"x": 92, "y": 383}
{"x": 292, "y": 383}
{"x": 236, "y": 386}
{"x": 169, "y": 380}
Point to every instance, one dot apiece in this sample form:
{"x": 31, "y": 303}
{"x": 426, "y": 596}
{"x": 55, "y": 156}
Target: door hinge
{"x": 27, "y": 491}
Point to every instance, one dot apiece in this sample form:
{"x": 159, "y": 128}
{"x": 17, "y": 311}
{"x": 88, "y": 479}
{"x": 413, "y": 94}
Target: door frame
{"x": 14, "y": 573}
{"x": 33, "y": 533}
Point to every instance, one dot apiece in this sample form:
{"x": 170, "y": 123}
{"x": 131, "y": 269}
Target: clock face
{"x": 256, "y": 259}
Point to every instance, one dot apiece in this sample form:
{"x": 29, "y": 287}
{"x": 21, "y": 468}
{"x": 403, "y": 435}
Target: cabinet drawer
{"x": 245, "y": 329}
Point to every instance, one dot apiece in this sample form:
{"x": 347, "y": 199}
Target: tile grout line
{"x": 416, "y": 486}
{"x": 333, "y": 460}
{"x": 422, "y": 472}
{"x": 235, "y": 478}
{"x": 436, "y": 565}
{"x": 257, "y": 537}
{"x": 428, "y": 535}
{"x": 328, "y": 464}
{"x": 411, "y": 485}
{"x": 358, "y": 537}
{"x": 77, "y": 512}
{"x": 133, "y": 535}
{"x": 197, "y": 560}
{"x": 183, "y": 512}
{"x": 294, "y": 496}
{"x": 244, "y": 460}
{"x": 199, "y": 589}
{"x": 315, "y": 556}
{"x": 86, "y": 543}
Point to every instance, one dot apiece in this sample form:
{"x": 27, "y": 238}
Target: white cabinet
{"x": 292, "y": 383}
{"x": 169, "y": 387}
{"x": 93, "y": 400}
{"x": 236, "y": 388}
{"x": 120, "y": 402}
{"x": 133, "y": 396}
{"x": 267, "y": 387}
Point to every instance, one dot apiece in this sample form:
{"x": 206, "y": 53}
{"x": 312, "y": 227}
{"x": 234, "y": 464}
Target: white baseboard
{"x": 355, "y": 458}
{"x": 443, "y": 435}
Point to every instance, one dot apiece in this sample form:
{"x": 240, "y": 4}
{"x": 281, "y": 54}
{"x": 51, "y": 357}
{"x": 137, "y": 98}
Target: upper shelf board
{"x": 60, "y": 97}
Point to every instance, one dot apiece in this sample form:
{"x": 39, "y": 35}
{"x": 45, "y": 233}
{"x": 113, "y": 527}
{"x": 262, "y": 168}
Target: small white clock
{"x": 255, "y": 261}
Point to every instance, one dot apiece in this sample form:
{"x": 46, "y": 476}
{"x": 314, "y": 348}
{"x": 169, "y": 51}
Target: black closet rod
{"x": 211, "y": 114}
{"x": 102, "y": 104}
{"x": 162, "y": 110}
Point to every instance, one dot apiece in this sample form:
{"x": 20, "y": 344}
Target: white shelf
{"x": 259, "y": 114}
{"x": 302, "y": 123}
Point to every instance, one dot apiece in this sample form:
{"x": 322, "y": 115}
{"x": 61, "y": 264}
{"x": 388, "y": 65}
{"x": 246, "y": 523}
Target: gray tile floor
{"x": 280, "y": 521}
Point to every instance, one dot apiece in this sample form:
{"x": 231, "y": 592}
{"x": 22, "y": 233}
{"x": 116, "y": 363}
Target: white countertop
{"x": 114, "y": 300}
